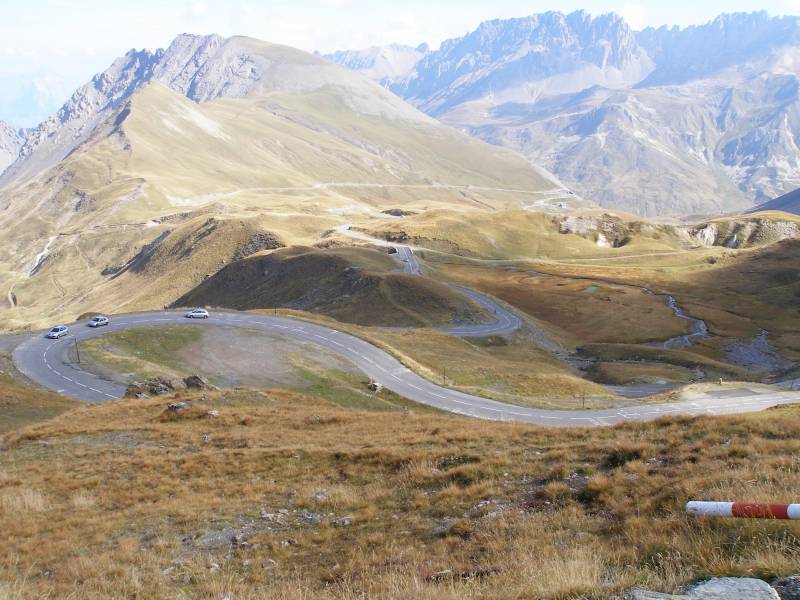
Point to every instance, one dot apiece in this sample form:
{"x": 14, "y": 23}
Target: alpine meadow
{"x": 507, "y": 310}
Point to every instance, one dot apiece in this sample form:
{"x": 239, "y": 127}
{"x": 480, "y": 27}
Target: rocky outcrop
{"x": 157, "y": 386}
{"x": 196, "y": 382}
{"x": 160, "y": 386}
{"x": 788, "y": 588}
{"x": 608, "y": 231}
{"x": 744, "y": 233}
{"x": 258, "y": 242}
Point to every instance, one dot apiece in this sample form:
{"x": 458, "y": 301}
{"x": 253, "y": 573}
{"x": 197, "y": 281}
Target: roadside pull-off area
{"x": 47, "y": 363}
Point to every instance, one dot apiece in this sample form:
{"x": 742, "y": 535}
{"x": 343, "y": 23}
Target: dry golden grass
{"x": 511, "y": 369}
{"x": 582, "y": 309}
{"x": 113, "y": 501}
{"x": 17, "y": 500}
{"x": 737, "y": 292}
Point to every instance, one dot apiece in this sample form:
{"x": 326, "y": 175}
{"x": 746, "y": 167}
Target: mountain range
{"x": 702, "y": 119}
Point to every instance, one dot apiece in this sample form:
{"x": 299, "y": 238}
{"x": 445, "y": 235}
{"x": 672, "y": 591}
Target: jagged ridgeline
{"x": 701, "y": 120}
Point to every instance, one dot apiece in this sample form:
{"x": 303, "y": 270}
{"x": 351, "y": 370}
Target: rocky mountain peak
{"x": 202, "y": 68}
{"x": 79, "y": 116}
{"x": 682, "y": 55}
{"x": 520, "y": 59}
{"x": 10, "y": 142}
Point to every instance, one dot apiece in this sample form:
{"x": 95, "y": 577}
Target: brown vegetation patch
{"x": 282, "y": 496}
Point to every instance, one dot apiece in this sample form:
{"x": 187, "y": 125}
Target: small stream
{"x": 699, "y": 329}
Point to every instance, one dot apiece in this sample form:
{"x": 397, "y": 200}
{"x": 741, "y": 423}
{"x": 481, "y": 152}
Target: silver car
{"x": 98, "y": 321}
{"x": 58, "y": 331}
{"x": 197, "y": 313}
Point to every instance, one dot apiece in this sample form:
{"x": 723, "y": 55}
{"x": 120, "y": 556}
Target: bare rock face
{"x": 699, "y": 120}
{"x": 53, "y": 139}
{"x": 607, "y": 231}
{"x": 258, "y": 243}
{"x": 10, "y": 143}
{"x": 743, "y": 234}
{"x": 705, "y": 235}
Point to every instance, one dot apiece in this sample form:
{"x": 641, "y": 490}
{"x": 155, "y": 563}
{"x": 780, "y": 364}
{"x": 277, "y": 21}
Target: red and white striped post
{"x": 743, "y": 510}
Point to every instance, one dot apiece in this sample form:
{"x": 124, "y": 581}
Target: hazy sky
{"x": 50, "y": 47}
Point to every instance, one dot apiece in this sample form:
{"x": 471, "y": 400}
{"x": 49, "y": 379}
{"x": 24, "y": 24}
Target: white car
{"x": 58, "y": 331}
{"x": 197, "y": 313}
{"x": 98, "y": 321}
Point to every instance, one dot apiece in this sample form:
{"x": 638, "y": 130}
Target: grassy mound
{"x": 354, "y": 285}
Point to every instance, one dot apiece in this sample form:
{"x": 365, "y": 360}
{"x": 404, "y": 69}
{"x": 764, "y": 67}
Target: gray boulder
{"x": 719, "y": 588}
{"x": 195, "y": 382}
{"x": 788, "y": 588}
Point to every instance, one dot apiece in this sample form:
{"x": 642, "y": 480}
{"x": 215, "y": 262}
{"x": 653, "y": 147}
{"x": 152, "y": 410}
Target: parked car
{"x": 98, "y": 321}
{"x": 58, "y": 331}
{"x": 197, "y": 313}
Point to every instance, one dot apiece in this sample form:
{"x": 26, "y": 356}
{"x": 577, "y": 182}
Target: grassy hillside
{"x": 355, "y": 285}
{"x": 21, "y": 404}
{"x": 516, "y": 234}
{"x": 283, "y": 496}
{"x": 290, "y": 165}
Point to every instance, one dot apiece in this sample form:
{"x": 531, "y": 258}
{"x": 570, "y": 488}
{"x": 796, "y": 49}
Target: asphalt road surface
{"x": 503, "y": 320}
{"x": 47, "y": 363}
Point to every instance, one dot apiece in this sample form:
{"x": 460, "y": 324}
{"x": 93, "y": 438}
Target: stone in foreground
{"x": 719, "y": 588}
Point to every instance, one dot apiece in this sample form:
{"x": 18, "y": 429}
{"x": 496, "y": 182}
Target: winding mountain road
{"x": 47, "y": 362}
{"x": 503, "y": 321}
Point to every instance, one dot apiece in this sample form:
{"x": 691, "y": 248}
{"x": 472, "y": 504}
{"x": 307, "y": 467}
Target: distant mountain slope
{"x": 385, "y": 64}
{"x": 789, "y": 203}
{"x": 10, "y": 143}
{"x": 700, "y": 51}
{"x": 183, "y": 159}
{"x": 664, "y": 121}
